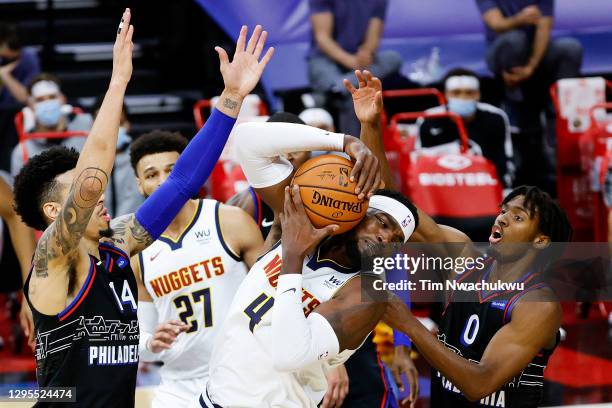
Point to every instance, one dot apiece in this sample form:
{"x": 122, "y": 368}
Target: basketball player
{"x": 251, "y": 202}
{"x": 82, "y": 290}
{"x": 267, "y": 352}
{"x": 190, "y": 273}
{"x": 493, "y": 348}
{"x": 22, "y": 238}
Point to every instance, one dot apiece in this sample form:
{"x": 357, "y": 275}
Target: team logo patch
{"x": 499, "y": 305}
{"x": 121, "y": 263}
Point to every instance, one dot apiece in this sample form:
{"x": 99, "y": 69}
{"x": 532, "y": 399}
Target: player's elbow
{"x": 478, "y": 390}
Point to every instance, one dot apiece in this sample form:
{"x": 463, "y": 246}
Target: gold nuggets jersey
{"x": 193, "y": 279}
{"x": 241, "y": 368}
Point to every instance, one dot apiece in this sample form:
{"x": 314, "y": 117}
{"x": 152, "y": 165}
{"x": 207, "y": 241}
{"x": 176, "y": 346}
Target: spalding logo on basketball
{"x": 328, "y": 194}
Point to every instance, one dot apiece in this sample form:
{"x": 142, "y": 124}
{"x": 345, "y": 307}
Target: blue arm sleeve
{"x": 396, "y": 276}
{"x": 189, "y": 174}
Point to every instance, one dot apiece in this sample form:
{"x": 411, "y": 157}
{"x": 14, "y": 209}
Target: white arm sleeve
{"x": 147, "y": 321}
{"x": 260, "y": 145}
{"x": 298, "y": 341}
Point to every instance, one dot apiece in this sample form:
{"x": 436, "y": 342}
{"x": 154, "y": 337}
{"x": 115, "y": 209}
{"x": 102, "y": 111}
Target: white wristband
{"x": 143, "y": 348}
{"x": 298, "y": 341}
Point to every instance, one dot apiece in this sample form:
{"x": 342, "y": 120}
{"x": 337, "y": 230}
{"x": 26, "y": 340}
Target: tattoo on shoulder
{"x": 61, "y": 239}
{"x": 230, "y": 104}
{"x": 127, "y": 228}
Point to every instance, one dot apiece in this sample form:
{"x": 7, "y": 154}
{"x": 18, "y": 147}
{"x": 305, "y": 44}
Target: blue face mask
{"x": 49, "y": 112}
{"x": 123, "y": 139}
{"x": 462, "y": 107}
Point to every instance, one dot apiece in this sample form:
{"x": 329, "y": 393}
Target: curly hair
{"x": 157, "y": 141}
{"x": 36, "y": 183}
{"x": 553, "y": 220}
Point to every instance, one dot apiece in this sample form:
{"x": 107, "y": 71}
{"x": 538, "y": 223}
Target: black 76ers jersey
{"x": 93, "y": 343}
{"x": 469, "y": 322}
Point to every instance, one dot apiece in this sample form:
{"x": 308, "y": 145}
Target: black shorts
{"x": 367, "y": 384}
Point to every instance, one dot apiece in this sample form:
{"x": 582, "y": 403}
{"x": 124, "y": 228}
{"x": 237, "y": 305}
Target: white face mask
{"x": 123, "y": 138}
{"x": 462, "y": 107}
{"x": 49, "y": 112}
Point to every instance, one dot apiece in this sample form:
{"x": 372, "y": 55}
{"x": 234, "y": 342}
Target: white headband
{"x": 317, "y": 115}
{"x": 396, "y": 210}
{"x": 462, "y": 82}
{"x": 44, "y": 88}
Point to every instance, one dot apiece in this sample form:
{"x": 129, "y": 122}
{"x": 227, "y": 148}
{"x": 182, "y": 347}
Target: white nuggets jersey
{"x": 241, "y": 368}
{"x": 193, "y": 279}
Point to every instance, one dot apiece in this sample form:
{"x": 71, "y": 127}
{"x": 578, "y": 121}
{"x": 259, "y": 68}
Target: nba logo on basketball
{"x": 344, "y": 177}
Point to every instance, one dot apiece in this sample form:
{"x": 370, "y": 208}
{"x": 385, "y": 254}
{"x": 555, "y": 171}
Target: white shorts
{"x": 178, "y": 393}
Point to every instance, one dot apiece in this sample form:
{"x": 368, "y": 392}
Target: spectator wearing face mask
{"x": 121, "y": 196}
{"x": 47, "y": 111}
{"x": 487, "y": 126}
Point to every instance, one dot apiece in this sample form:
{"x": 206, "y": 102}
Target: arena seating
{"x": 78, "y": 50}
{"x": 412, "y": 30}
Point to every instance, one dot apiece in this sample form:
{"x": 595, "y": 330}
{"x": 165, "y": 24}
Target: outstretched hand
{"x": 242, "y": 74}
{"x": 367, "y": 99}
{"x": 122, "y": 50}
{"x": 165, "y": 335}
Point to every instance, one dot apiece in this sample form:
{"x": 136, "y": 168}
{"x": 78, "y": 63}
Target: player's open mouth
{"x": 104, "y": 214}
{"x": 496, "y": 235}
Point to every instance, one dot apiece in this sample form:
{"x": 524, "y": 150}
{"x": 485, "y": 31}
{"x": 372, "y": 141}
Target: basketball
{"x": 328, "y": 194}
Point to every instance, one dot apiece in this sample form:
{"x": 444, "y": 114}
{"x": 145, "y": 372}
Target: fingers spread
{"x": 125, "y": 21}
{"x": 223, "y": 58}
{"x": 360, "y": 79}
{"x": 297, "y": 199}
{"x": 267, "y": 57}
{"x": 363, "y": 176}
{"x": 240, "y": 43}
{"x": 356, "y": 170}
{"x": 260, "y": 44}
{"x": 253, "y": 40}
{"x": 349, "y": 87}
{"x": 129, "y": 35}
{"x": 288, "y": 205}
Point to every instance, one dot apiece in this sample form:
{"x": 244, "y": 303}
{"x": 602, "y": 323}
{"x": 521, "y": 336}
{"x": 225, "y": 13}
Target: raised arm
{"x": 134, "y": 232}
{"x": 261, "y": 147}
{"x": 534, "y": 323}
{"x": 368, "y": 103}
{"x": 24, "y": 243}
{"x": 22, "y": 236}
{"x": 57, "y": 248}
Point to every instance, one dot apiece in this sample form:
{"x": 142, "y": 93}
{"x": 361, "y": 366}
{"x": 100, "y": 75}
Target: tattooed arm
{"x": 57, "y": 253}
{"x": 129, "y": 235}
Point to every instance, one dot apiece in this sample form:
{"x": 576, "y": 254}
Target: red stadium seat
{"x": 596, "y": 154}
{"x": 23, "y": 135}
{"x": 460, "y": 189}
{"x": 573, "y": 183}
